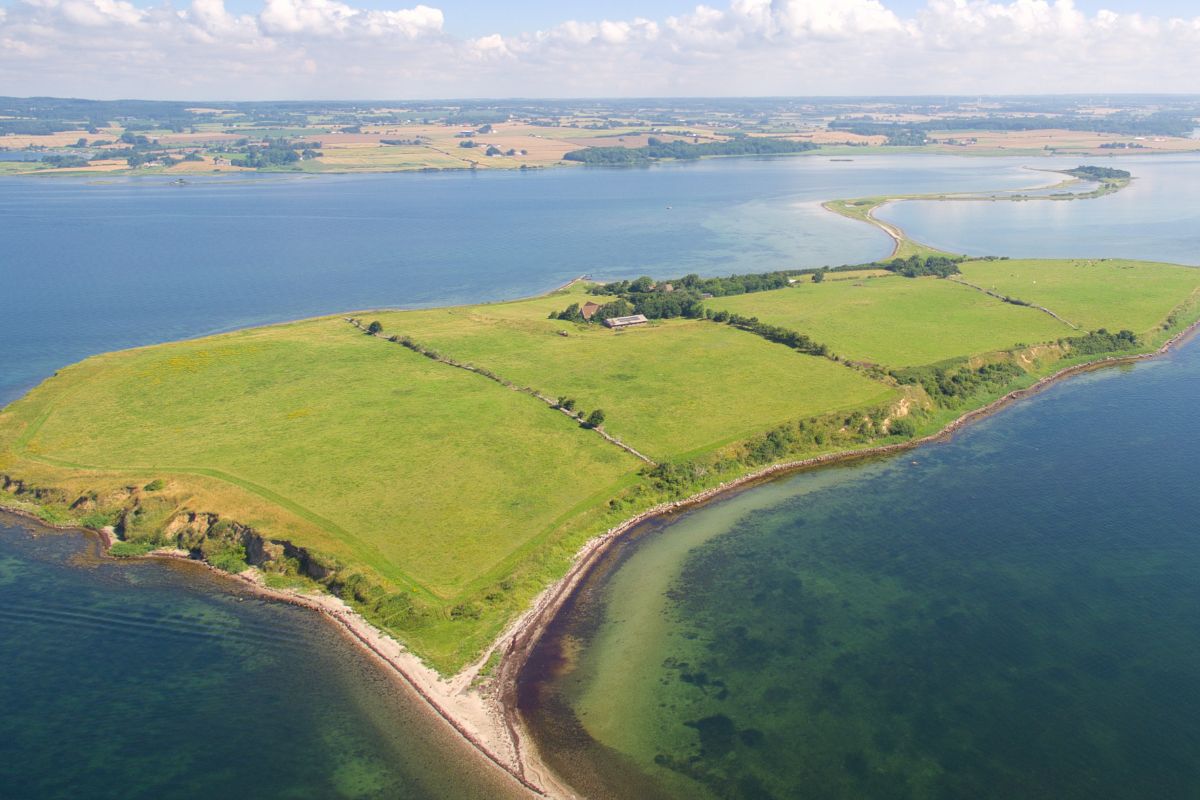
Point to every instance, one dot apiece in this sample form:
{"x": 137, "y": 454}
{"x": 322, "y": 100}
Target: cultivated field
{"x": 1060, "y": 141}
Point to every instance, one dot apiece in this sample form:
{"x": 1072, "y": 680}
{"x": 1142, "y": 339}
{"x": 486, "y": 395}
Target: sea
{"x": 1008, "y": 614}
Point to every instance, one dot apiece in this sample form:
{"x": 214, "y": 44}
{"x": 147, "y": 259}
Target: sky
{"x": 392, "y": 49}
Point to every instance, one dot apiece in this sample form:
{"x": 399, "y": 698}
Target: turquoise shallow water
{"x": 152, "y": 681}
{"x": 1009, "y": 614}
{"x": 1156, "y": 217}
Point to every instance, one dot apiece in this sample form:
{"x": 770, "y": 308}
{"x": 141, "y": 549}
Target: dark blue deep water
{"x": 153, "y": 680}
{"x": 1013, "y": 615}
{"x": 88, "y": 266}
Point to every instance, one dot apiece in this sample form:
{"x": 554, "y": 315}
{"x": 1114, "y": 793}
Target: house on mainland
{"x": 588, "y": 309}
{"x": 626, "y": 322}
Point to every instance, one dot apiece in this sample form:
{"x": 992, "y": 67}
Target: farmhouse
{"x": 588, "y": 309}
{"x": 625, "y": 322}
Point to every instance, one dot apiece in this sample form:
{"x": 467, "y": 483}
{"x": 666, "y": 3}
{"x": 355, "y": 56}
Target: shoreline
{"x": 900, "y": 238}
{"x": 483, "y": 712}
{"x": 482, "y": 709}
{"x": 474, "y": 721}
{"x": 529, "y": 628}
{"x": 472, "y": 167}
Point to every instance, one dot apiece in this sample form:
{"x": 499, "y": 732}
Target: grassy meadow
{"x": 671, "y": 389}
{"x": 429, "y": 476}
{"x": 898, "y": 322}
{"x": 1112, "y": 293}
{"x": 439, "y": 502}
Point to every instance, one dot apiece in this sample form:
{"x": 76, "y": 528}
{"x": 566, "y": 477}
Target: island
{"x": 436, "y": 480}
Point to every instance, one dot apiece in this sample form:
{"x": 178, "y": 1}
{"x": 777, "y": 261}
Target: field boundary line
{"x": 1014, "y": 301}
{"x": 491, "y": 376}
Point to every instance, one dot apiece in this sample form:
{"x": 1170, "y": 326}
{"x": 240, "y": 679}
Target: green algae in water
{"x": 1012, "y": 614}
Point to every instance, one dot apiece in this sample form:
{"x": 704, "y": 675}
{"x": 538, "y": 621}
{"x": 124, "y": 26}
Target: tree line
{"x": 681, "y": 297}
{"x": 1161, "y": 123}
{"x": 1098, "y": 173}
{"x": 1101, "y": 341}
{"x": 915, "y": 266}
{"x": 276, "y": 153}
{"x": 656, "y": 149}
{"x": 772, "y": 333}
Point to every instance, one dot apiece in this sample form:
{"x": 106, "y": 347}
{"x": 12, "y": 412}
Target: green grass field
{"x": 670, "y": 389}
{"x": 898, "y": 322}
{"x": 1093, "y": 294}
{"x": 457, "y": 499}
{"x": 427, "y": 475}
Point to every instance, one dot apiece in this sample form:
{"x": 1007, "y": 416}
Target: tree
{"x": 567, "y": 403}
{"x": 492, "y": 150}
{"x": 570, "y": 314}
{"x": 595, "y": 419}
{"x": 374, "y": 328}
{"x": 818, "y": 276}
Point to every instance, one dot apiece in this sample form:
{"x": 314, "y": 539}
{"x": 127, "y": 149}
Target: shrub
{"x": 131, "y": 549}
{"x": 98, "y": 519}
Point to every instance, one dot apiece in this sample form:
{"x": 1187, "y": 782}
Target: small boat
{"x": 841, "y": 159}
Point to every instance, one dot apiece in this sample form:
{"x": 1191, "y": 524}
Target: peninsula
{"x": 427, "y": 478}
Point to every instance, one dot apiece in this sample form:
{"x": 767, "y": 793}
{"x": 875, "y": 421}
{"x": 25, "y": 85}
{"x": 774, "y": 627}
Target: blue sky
{"x": 354, "y": 49}
{"x": 481, "y": 17}
{"x": 478, "y": 18}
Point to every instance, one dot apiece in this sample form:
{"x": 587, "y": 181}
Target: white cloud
{"x": 92, "y": 13}
{"x": 331, "y": 48}
{"x": 333, "y": 18}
